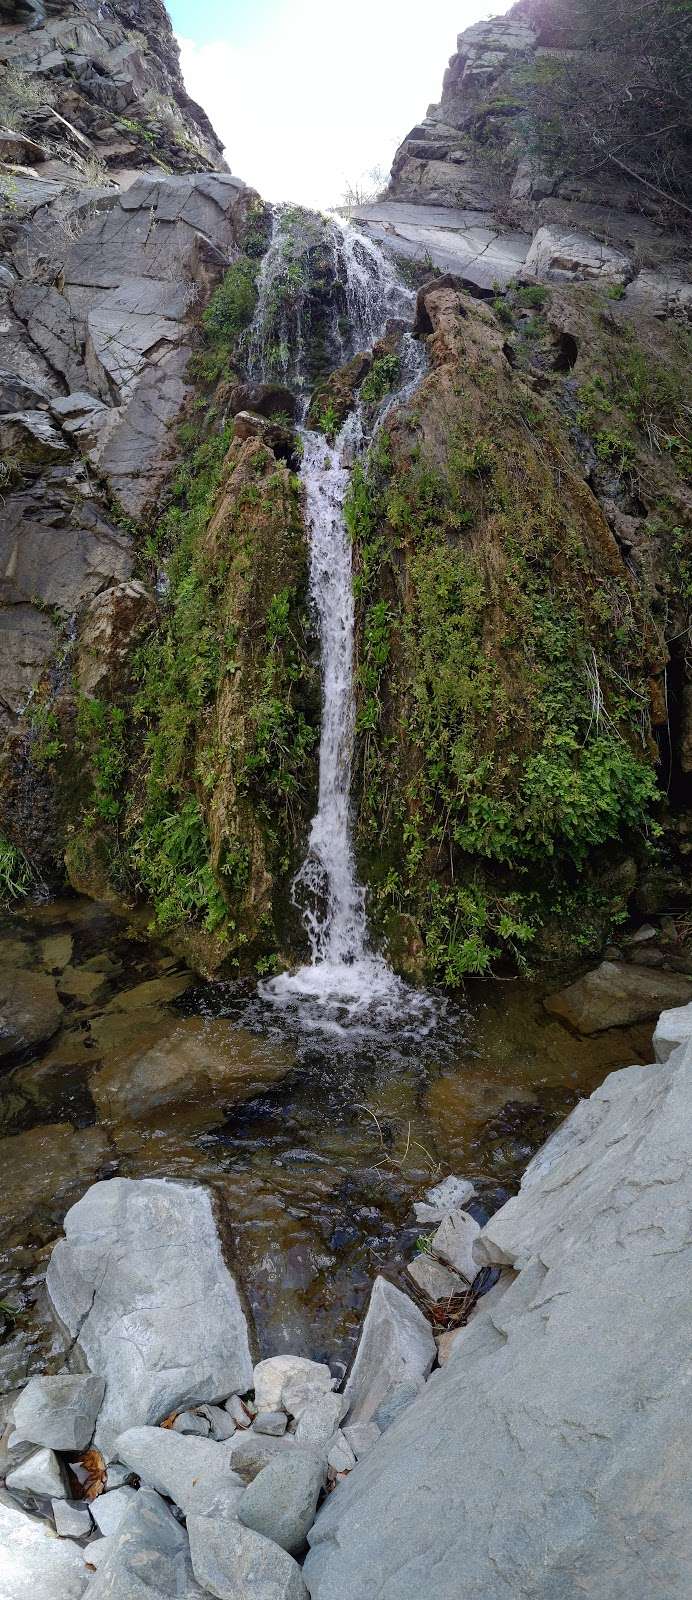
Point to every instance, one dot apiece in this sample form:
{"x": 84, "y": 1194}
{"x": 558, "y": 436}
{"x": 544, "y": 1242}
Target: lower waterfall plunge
{"x": 346, "y": 982}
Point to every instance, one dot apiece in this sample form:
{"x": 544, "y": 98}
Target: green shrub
{"x": 383, "y": 376}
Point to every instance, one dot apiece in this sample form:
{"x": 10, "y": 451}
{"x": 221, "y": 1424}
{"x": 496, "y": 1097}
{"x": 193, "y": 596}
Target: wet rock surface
{"x": 156, "y": 1245}
{"x": 615, "y": 995}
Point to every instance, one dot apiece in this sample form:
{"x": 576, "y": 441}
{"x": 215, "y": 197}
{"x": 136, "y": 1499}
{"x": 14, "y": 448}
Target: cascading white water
{"x": 346, "y": 984}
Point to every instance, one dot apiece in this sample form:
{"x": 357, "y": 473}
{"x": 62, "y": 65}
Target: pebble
{"x": 192, "y": 1422}
{"x": 72, "y": 1521}
{"x": 235, "y": 1408}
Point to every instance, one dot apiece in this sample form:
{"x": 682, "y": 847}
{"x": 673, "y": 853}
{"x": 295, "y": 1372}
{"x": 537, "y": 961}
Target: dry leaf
{"x": 95, "y": 1467}
{"x": 169, "y": 1420}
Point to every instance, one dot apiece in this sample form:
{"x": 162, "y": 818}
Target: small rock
{"x": 449, "y": 1195}
{"x": 117, "y": 1475}
{"x": 235, "y": 1563}
{"x": 60, "y": 1411}
{"x": 361, "y": 1436}
{"x": 273, "y": 1422}
{"x": 30, "y": 1012}
{"x": 395, "y": 1401}
{"x": 72, "y": 1520}
{"x": 109, "y": 1509}
{"x": 253, "y": 1451}
{"x": 615, "y": 995}
{"x": 340, "y": 1456}
{"x": 282, "y": 1375}
{"x": 221, "y": 1424}
{"x": 320, "y": 1420}
{"x": 192, "y": 1422}
{"x": 396, "y": 1344}
{"x": 434, "y": 1280}
{"x": 194, "y": 1473}
{"x": 642, "y": 935}
{"x": 235, "y": 1408}
{"x": 282, "y": 1500}
{"x": 453, "y": 1243}
{"x": 41, "y": 1474}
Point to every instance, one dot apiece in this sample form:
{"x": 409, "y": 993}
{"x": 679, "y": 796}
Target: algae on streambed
{"x": 319, "y": 1147}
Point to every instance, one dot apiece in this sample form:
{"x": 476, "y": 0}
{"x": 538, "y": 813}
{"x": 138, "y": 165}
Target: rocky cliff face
{"x": 521, "y": 529}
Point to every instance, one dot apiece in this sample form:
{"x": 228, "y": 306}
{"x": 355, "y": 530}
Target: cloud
{"x": 321, "y": 97}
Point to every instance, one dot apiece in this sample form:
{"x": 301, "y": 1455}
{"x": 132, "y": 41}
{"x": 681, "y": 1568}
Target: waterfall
{"x": 346, "y": 982}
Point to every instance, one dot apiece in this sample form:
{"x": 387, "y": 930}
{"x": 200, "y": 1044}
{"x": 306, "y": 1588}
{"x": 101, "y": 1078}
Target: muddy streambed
{"x": 318, "y": 1147}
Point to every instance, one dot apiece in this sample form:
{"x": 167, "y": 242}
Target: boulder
{"x": 361, "y": 1436}
{"x": 41, "y": 1475}
{"x": 281, "y": 1501}
{"x": 397, "y": 1398}
{"x": 141, "y": 1283}
{"x": 109, "y": 1509}
{"x": 673, "y": 1028}
{"x": 280, "y": 1376}
{"x": 34, "y": 1565}
{"x": 319, "y": 1420}
{"x": 197, "y": 1064}
{"x": 30, "y": 1011}
{"x": 148, "y": 1558}
{"x": 44, "y": 1170}
{"x": 195, "y": 1473}
{"x": 616, "y": 995}
{"x": 553, "y": 1454}
{"x": 396, "y": 1344}
{"x": 453, "y": 1243}
{"x": 340, "y": 1455}
{"x": 234, "y": 1563}
{"x": 60, "y": 1411}
{"x": 253, "y": 1451}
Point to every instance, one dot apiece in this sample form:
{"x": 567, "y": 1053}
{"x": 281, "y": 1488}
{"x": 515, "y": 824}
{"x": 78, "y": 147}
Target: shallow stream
{"x": 319, "y": 1165}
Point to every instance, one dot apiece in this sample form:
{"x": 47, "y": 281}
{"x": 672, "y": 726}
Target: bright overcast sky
{"x": 308, "y": 96}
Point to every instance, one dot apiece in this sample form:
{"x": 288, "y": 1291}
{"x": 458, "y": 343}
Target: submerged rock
{"x": 396, "y": 1344}
{"x": 615, "y": 995}
{"x": 196, "y": 1064}
{"x": 30, "y": 1011}
{"x": 43, "y": 1170}
{"x": 141, "y": 1282}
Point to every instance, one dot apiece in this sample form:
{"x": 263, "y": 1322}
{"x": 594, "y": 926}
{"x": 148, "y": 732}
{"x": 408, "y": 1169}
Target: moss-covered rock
{"x": 504, "y": 657}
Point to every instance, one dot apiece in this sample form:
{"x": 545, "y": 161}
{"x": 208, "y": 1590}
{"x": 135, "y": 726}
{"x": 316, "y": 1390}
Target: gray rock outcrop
{"x": 280, "y": 1502}
{"x": 553, "y": 1449}
{"x": 141, "y": 1282}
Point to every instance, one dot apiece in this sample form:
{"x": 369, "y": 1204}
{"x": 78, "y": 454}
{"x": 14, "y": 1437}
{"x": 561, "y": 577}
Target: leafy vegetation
{"x": 17, "y": 876}
{"x": 383, "y": 376}
{"x": 500, "y": 699}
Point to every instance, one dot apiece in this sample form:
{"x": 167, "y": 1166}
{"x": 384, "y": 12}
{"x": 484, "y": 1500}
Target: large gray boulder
{"x": 280, "y": 1503}
{"x": 195, "y": 1473}
{"x": 234, "y": 1563}
{"x": 141, "y": 1282}
{"x": 148, "y": 1558}
{"x": 616, "y": 994}
{"x": 552, "y": 1455}
{"x": 34, "y": 1565}
{"x": 396, "y": 1345}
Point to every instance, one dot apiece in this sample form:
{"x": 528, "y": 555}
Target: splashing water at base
{"x": 346, "y": 985}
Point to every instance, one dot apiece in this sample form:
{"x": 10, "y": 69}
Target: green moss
{"x": 383, "y": 376}
{"x": 499, "y": 698}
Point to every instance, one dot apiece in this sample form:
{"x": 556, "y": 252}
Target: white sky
{"x": 318, "y": 96}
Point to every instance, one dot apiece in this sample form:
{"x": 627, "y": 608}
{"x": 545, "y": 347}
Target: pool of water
{"x": 320, "y": 1153}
